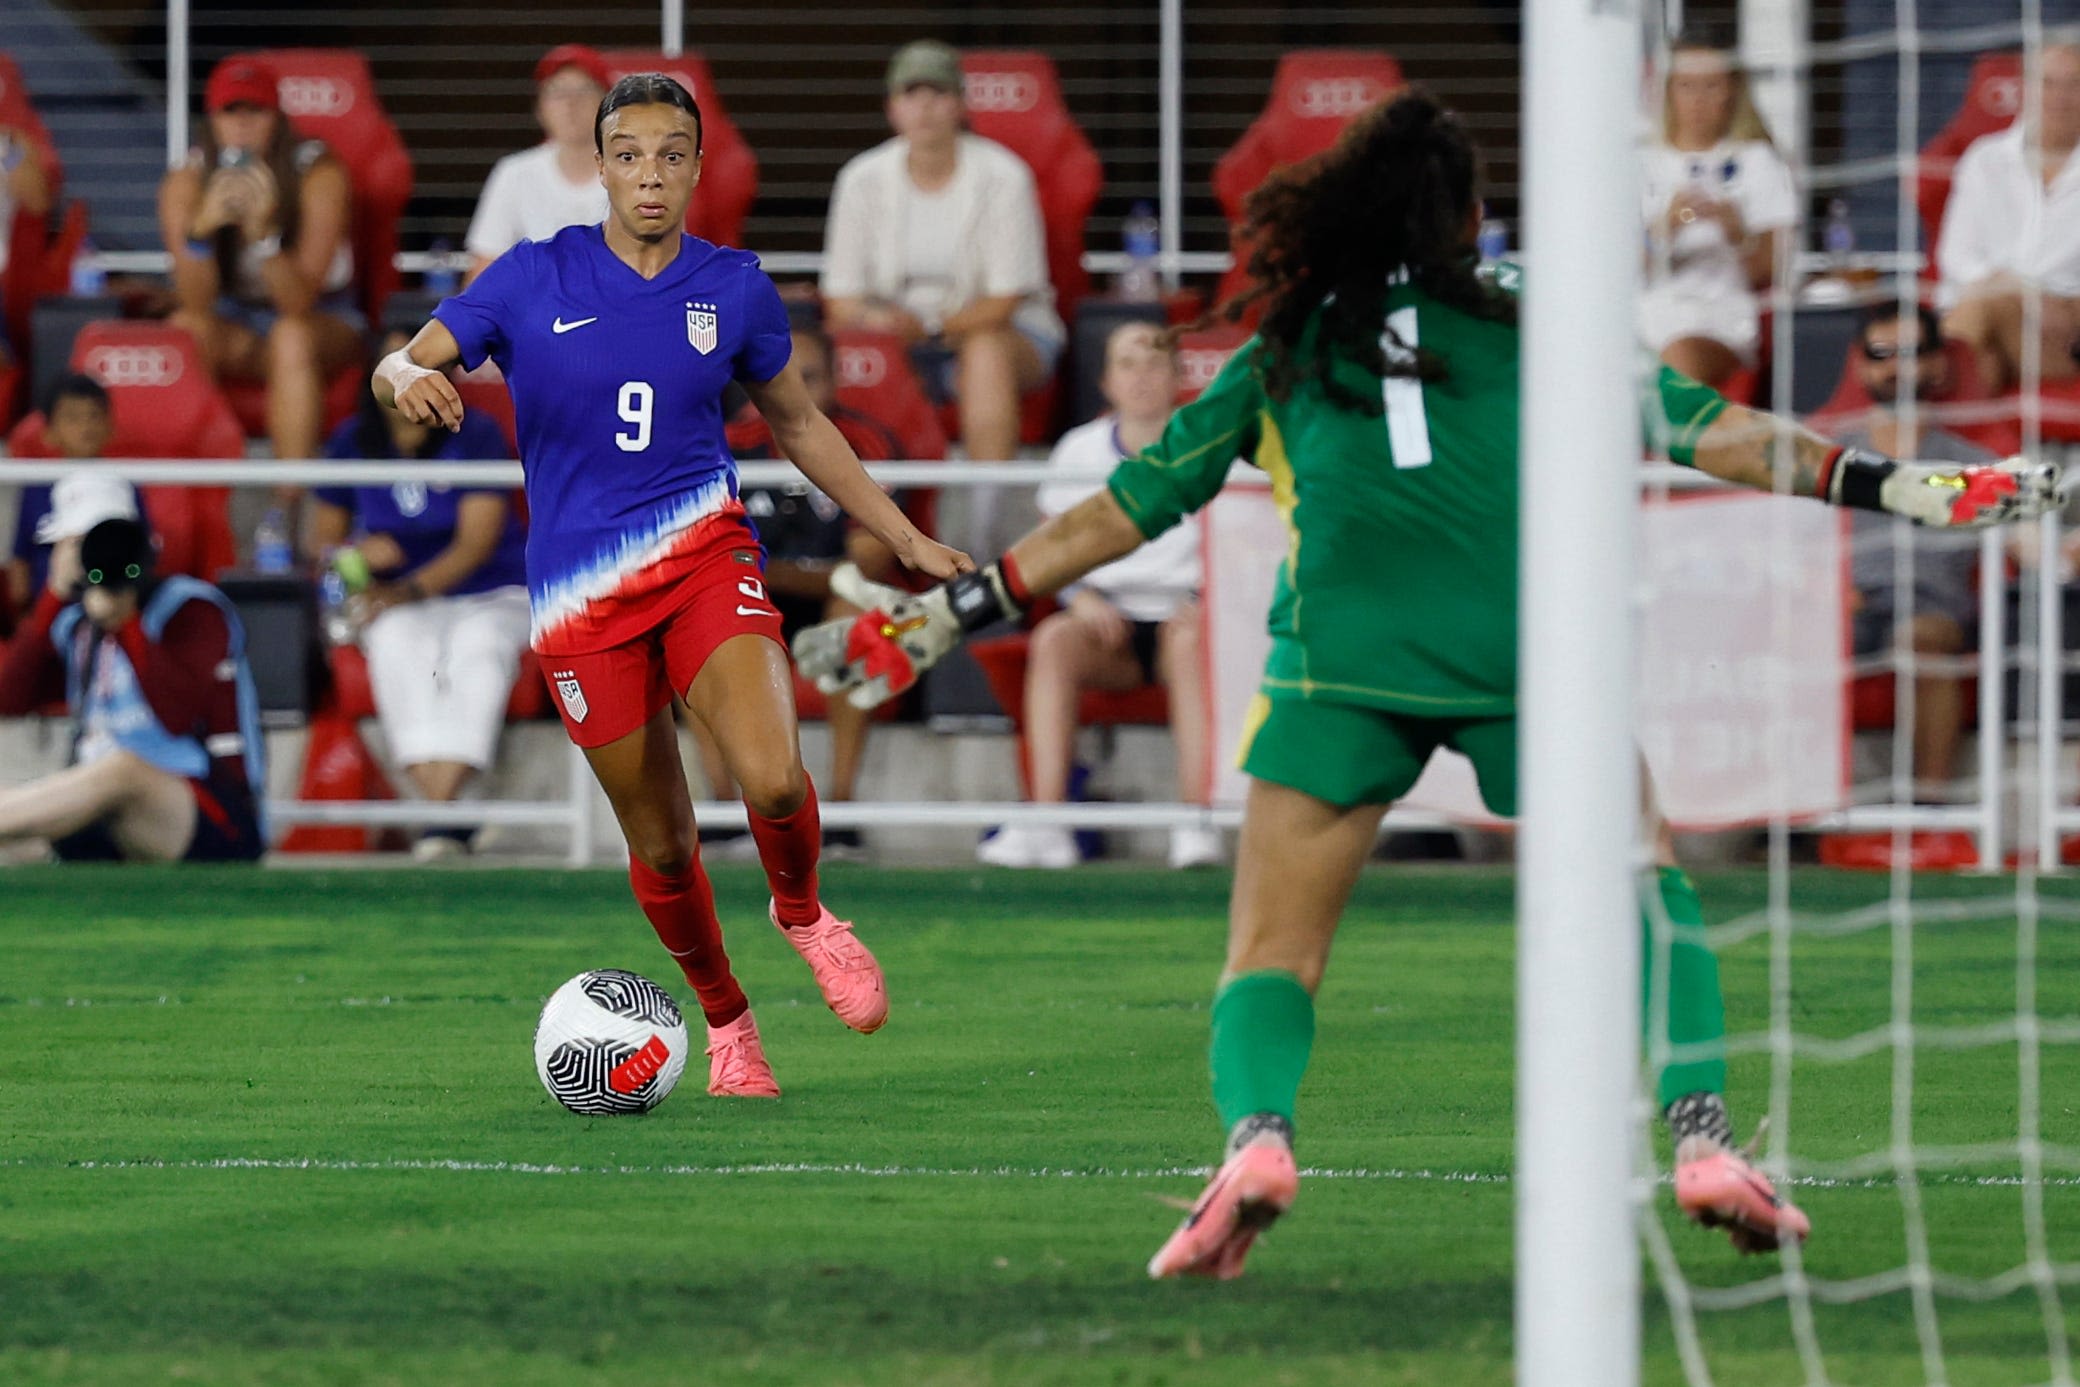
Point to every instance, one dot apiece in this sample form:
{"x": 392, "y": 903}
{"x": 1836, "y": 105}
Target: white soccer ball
{"x": 610, "y": 1041}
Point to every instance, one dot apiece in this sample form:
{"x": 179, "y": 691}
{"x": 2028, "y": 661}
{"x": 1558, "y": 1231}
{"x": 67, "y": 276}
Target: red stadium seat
{"x": 166, "y": 406}
{"x": 248, "y": 400}
{"x": 1015, "y": 98}
{"x": 1993, "y": 98}
{"x": 491, "y": 397}
{"x": 37, "y": 262}
{"x": 1201, "y": 354}
{"x": 875, "y": 377}
{"x": 1999, "y": 432}
{"x": 330, "y": 95}
{"x": 1314, "y": 95}
{"x": 1003, "y": 660}
{"x": 729, "y": 170}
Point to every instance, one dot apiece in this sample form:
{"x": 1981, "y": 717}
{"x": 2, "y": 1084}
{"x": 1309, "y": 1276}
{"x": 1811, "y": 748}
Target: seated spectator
{"x": 23, "y": 188}
{"x": 1896, "y": 356}
{"x": 440, "y": 594}
{"x": 77, "y": 422}
{"x": 2011, "y": 233}
{"x": 532, "y": 195}
{"x": 1718, "y": 204}
{"x": 1133, "y": 622}
{"x": 256, "y": 221}
{"x": 166, "y": 766}
{"x": 805, "y": 537}
{"x": 936, "y": 236}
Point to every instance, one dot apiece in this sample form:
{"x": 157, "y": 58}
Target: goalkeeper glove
{"x": 1941, "y": 494}
{"x": 898, "y": 635}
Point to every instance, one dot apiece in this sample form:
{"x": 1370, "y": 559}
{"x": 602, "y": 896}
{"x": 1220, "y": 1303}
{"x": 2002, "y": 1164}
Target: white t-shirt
{"x": 1151, "y": 583}
{"x": 2001, "y": 217}
{"x": 931, "y": 246}
{"x": 527, "y": 198}
{"x": 1700, "y": 263}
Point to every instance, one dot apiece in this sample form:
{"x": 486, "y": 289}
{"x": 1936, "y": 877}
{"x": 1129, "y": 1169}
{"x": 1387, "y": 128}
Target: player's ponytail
{"x": 1393, "y": 200}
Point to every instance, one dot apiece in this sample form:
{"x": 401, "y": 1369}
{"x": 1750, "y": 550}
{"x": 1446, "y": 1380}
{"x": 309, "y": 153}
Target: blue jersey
{"x": 617, "y": 386}
{"x": 421, "y": 518}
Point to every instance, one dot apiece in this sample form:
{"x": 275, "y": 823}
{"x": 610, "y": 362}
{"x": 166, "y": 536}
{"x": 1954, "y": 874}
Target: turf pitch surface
{"x": 282, "y": 1127}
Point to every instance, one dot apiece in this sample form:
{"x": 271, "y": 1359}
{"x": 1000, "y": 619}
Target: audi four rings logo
{"x": 861, "y": 368}
{"x": 316, "y": 96}
{"x": 1335, "y": 96}
{"x": 1198, "y": 366}
{"x": 1001, "y": 91}
{"x": 121, "y": 366}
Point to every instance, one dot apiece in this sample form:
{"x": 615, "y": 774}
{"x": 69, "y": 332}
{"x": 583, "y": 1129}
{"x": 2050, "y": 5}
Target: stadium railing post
{"x": 1578, "y": 951}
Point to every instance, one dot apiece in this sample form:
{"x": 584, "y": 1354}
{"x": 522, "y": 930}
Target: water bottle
{"x": 1142, "y": 238}
{"x": 338, "y": 618}
{"x": 89, "y": 280}
{"x": 1838, "y": 235}
{"x": 271, "y": 549}
{"x": 442, "y": 279}
{"x": 1494, "y": 240}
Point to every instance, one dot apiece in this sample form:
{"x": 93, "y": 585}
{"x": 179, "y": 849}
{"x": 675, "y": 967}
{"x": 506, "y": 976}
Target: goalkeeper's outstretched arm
{"x": 1754, "y": 449}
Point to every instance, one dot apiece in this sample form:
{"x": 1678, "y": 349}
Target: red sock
{"x": 788, "y": 849}
{"x": 682, "y": 911}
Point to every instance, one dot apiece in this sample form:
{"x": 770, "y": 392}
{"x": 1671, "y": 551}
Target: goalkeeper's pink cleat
{"x": 1252, "y": 1189}
{"x": 846, "y": 972}
{"x": 737, "y": 1065}
{"x": 1719, "y": 1189}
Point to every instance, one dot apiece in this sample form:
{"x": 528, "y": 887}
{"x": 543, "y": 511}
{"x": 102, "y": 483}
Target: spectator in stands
{"x": 1898, "y": 356}
{"x": 935, "y": 235}
{"x": 1133, "y": 622}
{"x": 23, "y": 188}
{"x": 2011, "y": 232}
{"x": 805, "y": 537}
{"x": 1719, "y": 202}
{"x": 256, "y": 221}
{"x": 77, "y": 422}
{"x": 440, "y": 590}
{"x": 532, "y": 195}
{"x": 166, "y": 765}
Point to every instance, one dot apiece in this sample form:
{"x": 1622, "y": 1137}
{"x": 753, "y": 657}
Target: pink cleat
{"x": 737, "y": 1065}
{"x": 1255, "y": 1186}
{"x": 846, "y": 973}
{"x": 1719, "y": 1189}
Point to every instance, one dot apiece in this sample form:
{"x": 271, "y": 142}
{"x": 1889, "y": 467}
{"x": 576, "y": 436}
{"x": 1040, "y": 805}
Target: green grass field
{"x": 283, "y": 1128}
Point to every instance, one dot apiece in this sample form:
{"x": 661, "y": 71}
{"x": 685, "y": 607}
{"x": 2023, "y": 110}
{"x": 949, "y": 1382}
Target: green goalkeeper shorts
{"x": 1345, "y": 755}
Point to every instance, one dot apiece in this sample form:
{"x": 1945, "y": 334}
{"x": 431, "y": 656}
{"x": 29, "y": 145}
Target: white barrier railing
{"x": 1982, "y": 815}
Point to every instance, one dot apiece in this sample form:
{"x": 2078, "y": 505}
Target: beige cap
{"x": 928, "y": 63}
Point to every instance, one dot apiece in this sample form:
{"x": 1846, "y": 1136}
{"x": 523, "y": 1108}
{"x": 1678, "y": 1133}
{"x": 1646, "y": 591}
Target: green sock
{"x": 1263, "y": 1028}
{"x": 1696, "y": 1010}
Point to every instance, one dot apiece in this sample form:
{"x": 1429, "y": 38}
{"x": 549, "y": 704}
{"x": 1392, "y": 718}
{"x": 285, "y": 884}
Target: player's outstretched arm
{"x": 413, "y": 380}
{"x": 1741, "y": 445}
{"x": 814, "y": 444}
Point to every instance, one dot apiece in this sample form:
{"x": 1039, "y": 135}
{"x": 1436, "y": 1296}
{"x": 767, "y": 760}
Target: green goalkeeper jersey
{"x": 1399, "y": 585}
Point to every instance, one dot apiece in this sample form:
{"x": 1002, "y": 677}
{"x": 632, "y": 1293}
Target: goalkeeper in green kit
{"x": 1380, "y": 395}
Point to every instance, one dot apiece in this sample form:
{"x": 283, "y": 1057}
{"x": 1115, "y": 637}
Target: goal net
{"x": 1903, "y": 982}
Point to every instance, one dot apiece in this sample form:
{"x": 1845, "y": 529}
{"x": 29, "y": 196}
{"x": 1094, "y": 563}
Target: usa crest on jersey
{"x": 573, "y": 696}
{"x": 700, "y": 327}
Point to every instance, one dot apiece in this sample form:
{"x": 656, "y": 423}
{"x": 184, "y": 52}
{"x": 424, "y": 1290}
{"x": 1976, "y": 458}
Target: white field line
{"x": 1001, "y": 1172}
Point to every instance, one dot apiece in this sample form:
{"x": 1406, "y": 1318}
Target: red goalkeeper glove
{"x": 1943, "y": 494}
{"x": 872, "y": 657}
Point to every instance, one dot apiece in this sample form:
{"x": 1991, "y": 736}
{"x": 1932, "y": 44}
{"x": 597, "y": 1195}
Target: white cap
{"x": 81, "y": 500}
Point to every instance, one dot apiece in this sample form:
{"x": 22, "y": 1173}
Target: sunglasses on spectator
{"x": 1886, "y": 351}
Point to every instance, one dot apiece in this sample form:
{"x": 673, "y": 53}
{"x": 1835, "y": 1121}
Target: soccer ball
{"x": 610, "y": 1041}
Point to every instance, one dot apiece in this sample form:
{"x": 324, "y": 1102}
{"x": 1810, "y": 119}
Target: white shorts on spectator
{"x": 442, "y": 671}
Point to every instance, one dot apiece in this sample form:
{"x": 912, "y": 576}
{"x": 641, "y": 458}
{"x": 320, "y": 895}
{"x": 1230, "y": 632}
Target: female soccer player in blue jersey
{"x": 618, "y": 342}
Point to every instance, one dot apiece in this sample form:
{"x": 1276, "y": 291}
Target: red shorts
{"x": 604, "y": 695}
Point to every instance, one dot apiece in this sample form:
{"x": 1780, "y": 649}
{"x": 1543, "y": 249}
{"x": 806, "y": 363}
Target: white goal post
{"x": 1578, "y": 1005}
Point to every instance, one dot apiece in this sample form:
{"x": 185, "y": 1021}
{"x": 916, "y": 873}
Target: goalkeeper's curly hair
{"x": 1398, "y": 191}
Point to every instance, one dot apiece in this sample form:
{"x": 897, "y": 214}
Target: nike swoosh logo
{"x": 743, "y": 610}
{"x": 559, "y": 327}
